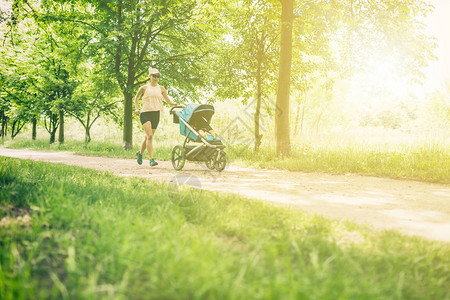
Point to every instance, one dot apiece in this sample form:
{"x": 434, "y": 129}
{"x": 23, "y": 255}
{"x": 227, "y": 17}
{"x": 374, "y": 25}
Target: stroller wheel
{"x": 178, "y": 157}
{"x": 210, "y": 163}
{"x": 221, "y": 161}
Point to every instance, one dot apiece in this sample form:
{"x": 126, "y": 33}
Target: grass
{"x": 107, "y": 149}
{"x": 424, "y": 162}
{"x": 419, "y": 162}
{"x": 73, "y": 233}
{"x": 416, "y": 155}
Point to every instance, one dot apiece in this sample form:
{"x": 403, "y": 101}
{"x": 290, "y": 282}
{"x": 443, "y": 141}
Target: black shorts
{"x": 152, "y": 116}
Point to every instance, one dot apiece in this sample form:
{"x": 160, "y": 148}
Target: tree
{"x": 4, "y": 109}
{"x": 93, "y": 98}
{"x": 17, "y": 104}
{"x": 391, "y": 27}
{"x": 129, "y": 36}
{"x": 282, "y": 128}
{"x": 248, "y": 55}
{"x": 40, "y": 77}
{"x": 386, "y": 28}
{"x": 437, "y": 107}
{"x": 55, "y": 87}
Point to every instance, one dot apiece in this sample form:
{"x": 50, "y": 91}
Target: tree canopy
{"x": 58, "y": 54}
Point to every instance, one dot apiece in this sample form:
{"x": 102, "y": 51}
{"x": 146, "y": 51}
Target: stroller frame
{"x": 209, "y": 152}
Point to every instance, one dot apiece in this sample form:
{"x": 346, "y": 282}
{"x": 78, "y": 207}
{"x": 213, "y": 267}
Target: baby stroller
{"x": 192, "y": 119}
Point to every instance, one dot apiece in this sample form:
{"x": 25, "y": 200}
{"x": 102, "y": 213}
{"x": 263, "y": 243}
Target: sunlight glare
{"x": 378, "y": 86}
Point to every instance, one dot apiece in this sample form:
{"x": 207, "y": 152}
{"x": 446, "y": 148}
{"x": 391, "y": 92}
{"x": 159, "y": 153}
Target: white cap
{"x": 153, "y": 71}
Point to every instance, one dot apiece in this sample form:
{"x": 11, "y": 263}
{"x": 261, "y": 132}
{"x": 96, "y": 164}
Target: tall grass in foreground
{"x": 73, "y": 233}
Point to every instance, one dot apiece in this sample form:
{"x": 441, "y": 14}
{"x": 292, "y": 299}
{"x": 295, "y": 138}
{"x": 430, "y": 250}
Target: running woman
{"x": 152, "y": 106}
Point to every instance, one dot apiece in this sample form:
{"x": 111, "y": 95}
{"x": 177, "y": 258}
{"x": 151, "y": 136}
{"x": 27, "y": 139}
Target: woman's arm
{"x": 166, "y": 97}
{"x": 136, "y": 99}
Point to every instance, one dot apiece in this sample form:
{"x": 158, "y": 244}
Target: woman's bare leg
{"x": 148, "y": 142}
{"x": 143, "y": 146}
{"x": 150, "y": 149}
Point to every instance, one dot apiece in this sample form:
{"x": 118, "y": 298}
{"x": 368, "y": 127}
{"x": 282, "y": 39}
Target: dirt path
{"x": 411, "y": 207}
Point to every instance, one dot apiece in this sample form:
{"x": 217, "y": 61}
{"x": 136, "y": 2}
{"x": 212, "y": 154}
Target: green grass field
{"x": 73, "y": 233}
{"x": 420, "y": 162}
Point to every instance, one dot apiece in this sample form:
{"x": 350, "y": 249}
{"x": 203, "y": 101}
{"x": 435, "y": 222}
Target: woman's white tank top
{"x": 151, "y": 100}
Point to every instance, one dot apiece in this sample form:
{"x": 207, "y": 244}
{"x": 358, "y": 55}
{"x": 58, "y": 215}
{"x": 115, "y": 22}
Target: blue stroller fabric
{"x": 197, "y": 116}
{"x": 187, "y": 111}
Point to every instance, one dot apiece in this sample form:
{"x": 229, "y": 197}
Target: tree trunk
{"x": 4, "y": 120}
{"x": 52, "y": 137}
{"x": 34, "y": 130}
{"x": 258, "y": 137}
{"x": 316, "y": 124}
{"x": 127, "y": 88}
{"x": 303, "y": 116}
{"x": 61, "y": 127}
{"x": 2, "y": 114}
{"x": 53, "y": 127}
{"x": 87, "y": 134}
{"x": 17, "y": 127}
{"x": 128, "y": 121}
{"x": 87, "y": 129}
{"x": 283, "y": 144}
{"x": 128, "y": 107}
{"x": 13, "y": 129}
{"x": 297, "y": 116}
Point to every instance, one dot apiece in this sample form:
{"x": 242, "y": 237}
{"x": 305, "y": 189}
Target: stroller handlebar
{"x": 174, "y": 107}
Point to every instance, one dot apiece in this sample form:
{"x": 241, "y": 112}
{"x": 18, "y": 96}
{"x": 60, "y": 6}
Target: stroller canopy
{"x": 193, "y": 111}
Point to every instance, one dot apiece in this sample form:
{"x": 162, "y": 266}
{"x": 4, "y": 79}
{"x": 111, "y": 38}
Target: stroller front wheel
{"x": 221, "y": 161}
{"x": 178, "y": 157}
{"x": 211, "y": 162}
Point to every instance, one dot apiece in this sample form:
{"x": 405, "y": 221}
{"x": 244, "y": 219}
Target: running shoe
{"x": 139, "y": 157}
{"x": 153, "y": 162}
